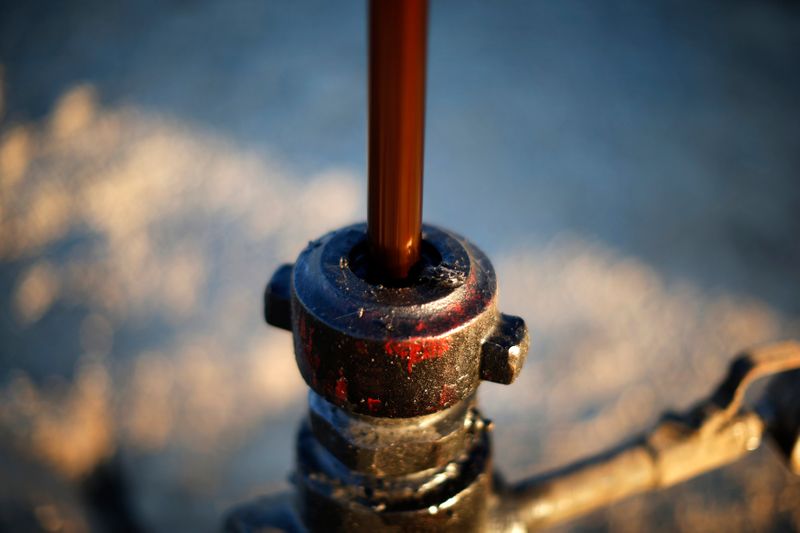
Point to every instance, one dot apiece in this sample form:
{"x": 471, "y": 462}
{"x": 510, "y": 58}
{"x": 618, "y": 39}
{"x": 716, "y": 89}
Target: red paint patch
{"x": 341, "y": 388}
{"x": 415, "y": 350}
{"x": 373, "y": 404}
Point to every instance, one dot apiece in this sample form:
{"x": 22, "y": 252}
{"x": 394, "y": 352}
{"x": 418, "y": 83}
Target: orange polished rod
{"x": 397, "y": 62}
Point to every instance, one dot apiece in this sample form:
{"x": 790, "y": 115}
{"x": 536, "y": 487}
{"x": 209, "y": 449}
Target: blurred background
{"x": 631, "y": 167}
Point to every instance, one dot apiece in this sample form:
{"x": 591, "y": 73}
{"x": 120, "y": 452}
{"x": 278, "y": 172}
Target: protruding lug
{"x": 278, "y": 298}
{"x": 503, "y": 352}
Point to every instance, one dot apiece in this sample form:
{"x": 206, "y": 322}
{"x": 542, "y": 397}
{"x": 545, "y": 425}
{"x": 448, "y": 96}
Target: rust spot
{"x": 373, "y": 404}
{"x": 415, "y": 350}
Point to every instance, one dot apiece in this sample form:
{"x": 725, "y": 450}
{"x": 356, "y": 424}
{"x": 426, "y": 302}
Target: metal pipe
{"x": 397, "y": 49}
{"x": 670, "y": 454}
{"x": 716, "y": 432}
{"x": 576, "y": 490}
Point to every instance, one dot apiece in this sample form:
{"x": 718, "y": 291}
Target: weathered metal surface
{"x": 397, "y": 351}
{"x": 395, "y": 446}
{"x": 454, "y": 497}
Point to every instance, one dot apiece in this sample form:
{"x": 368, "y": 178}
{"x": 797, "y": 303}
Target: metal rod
{"x": 397, "y": 49}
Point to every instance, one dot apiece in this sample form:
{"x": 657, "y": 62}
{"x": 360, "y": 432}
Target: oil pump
{"x": 395, "y": 325}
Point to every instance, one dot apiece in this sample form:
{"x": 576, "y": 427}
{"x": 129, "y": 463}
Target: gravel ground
{"x": 631, "y": 168}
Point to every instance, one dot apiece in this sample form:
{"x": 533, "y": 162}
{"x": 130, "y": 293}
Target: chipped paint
{"x": 341, "y": 387}
{"x": 414, "y": 351}
{"x": 373, "y": 404}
